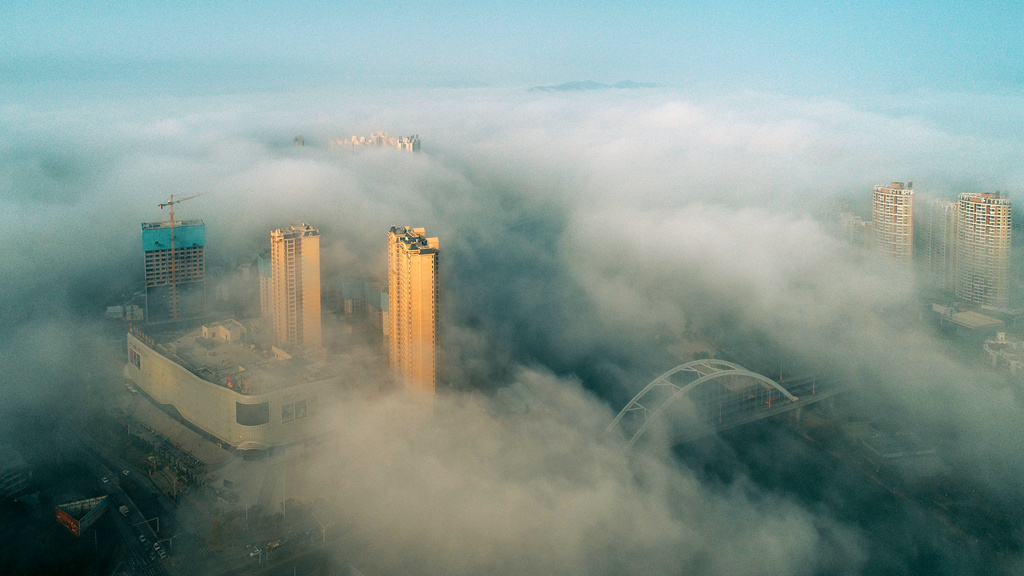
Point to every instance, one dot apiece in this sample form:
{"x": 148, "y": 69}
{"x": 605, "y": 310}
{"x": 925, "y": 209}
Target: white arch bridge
{"x": 722, "y": 394}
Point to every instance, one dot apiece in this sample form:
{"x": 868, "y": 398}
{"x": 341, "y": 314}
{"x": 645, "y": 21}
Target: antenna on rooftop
{"x": 174, "y": 265}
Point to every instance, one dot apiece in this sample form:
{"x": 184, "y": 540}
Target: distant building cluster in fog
{"x": 365, "y": 299}
{"x": 380, "y": 138}
{"x": 967, "y": 247}
{"x": 962, "y": 245}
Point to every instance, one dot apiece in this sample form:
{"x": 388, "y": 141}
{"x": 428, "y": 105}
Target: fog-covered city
{"x": 523, "y": 290}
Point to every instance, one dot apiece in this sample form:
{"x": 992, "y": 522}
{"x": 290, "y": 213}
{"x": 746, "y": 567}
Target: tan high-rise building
{"x": 295, "y": 284}
{"x": 412, "y": 306}
{"x": 983, "y": 249}
{"x": 892, "y": 213}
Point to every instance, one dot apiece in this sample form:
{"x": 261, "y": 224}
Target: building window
{"x": 252, "y": 414}
{"x": 294, "y": 411}
{"x": 134, "y": 357}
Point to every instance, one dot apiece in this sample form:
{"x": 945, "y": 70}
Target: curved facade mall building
{"x": 219, "y": 382}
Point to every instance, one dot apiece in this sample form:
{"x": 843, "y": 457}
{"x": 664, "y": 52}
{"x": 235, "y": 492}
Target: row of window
{"x": 293, "y": 411}
{"x": 259, "y": 414}
{"x": 179, "y": 253}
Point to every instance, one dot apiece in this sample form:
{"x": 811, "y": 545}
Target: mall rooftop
{"x": 229, "y": 353}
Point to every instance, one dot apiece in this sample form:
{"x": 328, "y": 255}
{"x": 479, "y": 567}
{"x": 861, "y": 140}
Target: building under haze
{"x": 892, "y": 213}
{"x": 380, "y": 138}
{"x": 937, "y": 226}
{"x": 233, "y": 384}
{"x": 983, "y": 249}
{"x": 175, "y": 270}
{"x": 265, "y": 271}
{"x": 412, "y": 307}
{"x": 295, "y": 285}
{"x": 15, "y": 474}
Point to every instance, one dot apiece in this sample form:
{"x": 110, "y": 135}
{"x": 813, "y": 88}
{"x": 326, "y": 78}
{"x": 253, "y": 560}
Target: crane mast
{"x": 174, "y": 264}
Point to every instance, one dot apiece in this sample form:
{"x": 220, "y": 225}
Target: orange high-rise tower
{"x": 412, "y": 305}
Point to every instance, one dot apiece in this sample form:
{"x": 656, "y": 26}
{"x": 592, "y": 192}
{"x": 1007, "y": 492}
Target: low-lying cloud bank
{"x": 575, "y": 230}
{"x": 549, "y": 491}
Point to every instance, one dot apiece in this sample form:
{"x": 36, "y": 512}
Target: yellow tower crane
{"x": 174, "y": 264}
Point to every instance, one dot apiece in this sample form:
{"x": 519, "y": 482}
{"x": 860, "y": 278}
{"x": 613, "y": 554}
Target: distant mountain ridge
{"x": 591, "y": 85}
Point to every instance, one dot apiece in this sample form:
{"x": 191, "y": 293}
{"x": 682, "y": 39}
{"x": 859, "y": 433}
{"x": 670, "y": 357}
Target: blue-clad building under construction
{"x": 175, "y": 270}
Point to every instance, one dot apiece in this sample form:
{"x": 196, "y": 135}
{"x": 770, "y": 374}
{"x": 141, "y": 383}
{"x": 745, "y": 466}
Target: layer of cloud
{"x": 460, "y": 491}
{"x": 575, "y": 231}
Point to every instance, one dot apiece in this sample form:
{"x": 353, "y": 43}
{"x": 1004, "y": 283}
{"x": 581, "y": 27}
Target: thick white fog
{"x": 574, "y": 227}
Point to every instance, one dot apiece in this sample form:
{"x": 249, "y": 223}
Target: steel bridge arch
{"x": 708, "y": 369}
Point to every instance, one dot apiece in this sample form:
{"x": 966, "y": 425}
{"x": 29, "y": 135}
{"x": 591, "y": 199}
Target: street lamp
{"x": 323, "y": 535}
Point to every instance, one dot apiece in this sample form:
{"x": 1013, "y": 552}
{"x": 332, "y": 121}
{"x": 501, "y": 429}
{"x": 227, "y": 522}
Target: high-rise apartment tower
{"x": 265, "y": 269}
{"x": 295, "y": 284}
{"x": 983, "y": 249}
{"x": 892, "y": 213}
{"x": 937, "y": 225}
{"x": 412, "y": 305}
{"x": 175, "y": 270}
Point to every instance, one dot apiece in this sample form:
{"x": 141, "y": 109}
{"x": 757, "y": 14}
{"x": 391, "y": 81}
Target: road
{"x": 106, "y": 465}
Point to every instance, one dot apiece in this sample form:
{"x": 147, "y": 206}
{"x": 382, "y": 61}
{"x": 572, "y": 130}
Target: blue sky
{"x": 788, "y": 46}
